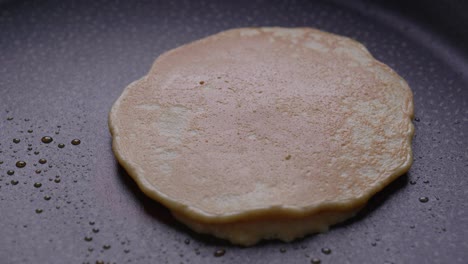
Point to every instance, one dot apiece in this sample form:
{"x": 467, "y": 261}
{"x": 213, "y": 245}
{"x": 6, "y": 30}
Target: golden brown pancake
{"x": 264, "y": 133}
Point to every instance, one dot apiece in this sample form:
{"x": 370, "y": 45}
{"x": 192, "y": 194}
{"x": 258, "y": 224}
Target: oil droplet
{"x": 47, "y": 139}
{"x": 14, "y": 182}
{"x": 20, "y": 164}
{"x": 315, "y": 261}
{"x": 374, "y": 244}
{"x": 42, "y": 161}
{"x": 47, "y": 197}
{"x": 187, "y": 241}
{"x": 412, "y": 182}
{"x": 423, "y": 199}
{"x": 57, "y": 180}
{"x": 282, "y": 250}
{"x": 201, "y": 82}
{"x": 37, "y": 185}
{"x": 38, "y": 171}
{"x": 16, "y": 140}
{"x": 91, "y": 222}
{"x": 36, "y": 152}
{"x": 106, "y": 247}
{"x": 61, "y": 145}
{"x": 219, "y": 252}
{"x": 10, "y": 172}
{"x": 288, "y": 157}
{"x": 38, "y": 211}
{"x": 76, "y": 142}
{"x": 9, "y": 118}
{"x": 90, "y": 249}
{"x": 95, "y": 230}
{"x": 88, "y": 238}
{"x": 326, "y": 251}
{"x": 417, "y": 119}
{"x": 126, "y": 251}
{"x": 29, "y": 149}
{"x": 30, "y": 130}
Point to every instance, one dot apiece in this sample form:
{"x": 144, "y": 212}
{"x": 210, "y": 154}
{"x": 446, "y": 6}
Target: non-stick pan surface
{"x": 63, "y": 64}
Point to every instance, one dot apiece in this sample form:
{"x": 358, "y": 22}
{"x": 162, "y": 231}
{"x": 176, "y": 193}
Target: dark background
{"x": 64, "y": 63}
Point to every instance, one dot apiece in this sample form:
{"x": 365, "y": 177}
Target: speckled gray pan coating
{"x": 66, "y": 62}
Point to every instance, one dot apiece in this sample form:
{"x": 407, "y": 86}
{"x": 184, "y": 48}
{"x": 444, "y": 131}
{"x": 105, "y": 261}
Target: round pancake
{"x": 264, "y": 125}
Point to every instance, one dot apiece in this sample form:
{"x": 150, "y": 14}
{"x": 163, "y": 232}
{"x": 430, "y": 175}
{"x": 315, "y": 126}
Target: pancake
{"x": 264, "y": 133}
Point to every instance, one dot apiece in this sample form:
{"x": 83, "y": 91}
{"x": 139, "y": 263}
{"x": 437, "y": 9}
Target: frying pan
{"x": 64, "y": 63}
